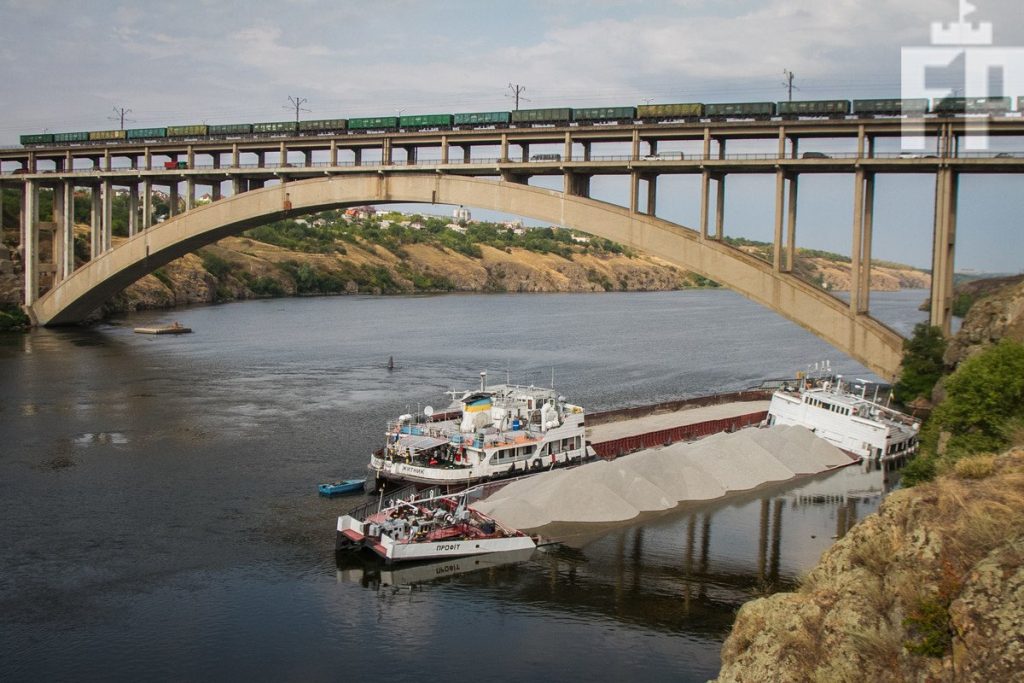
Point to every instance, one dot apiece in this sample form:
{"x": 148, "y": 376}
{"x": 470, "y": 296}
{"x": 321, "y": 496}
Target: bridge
{"x": 273, "y": 177}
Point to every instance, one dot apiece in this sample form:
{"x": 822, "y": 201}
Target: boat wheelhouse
{"x": 856, "y": 424}
{"x": 499, "y": 431}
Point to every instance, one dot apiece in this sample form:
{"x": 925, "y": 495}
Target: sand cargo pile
{"x": 660, "y": 479}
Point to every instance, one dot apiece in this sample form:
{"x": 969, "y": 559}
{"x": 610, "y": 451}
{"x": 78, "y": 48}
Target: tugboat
{"x": 500, "y": 431}
{"x": 429, "y": 529}
{"x": 821, "y": 402}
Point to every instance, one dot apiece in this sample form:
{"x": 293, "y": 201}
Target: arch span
{"x": 860, "y": 336}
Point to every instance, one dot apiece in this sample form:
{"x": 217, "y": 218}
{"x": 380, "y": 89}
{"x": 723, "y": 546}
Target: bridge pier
{"x": 95, "y": 208}
{"x": 947, "y": 184}
{"x": 173, "y": 199}
{"x": 720, "y": 207}
{"x": 791, "y": 221}
{"x": 133, "y": 208}
{"x": 106, "y": 240}
{"x": 784, "y": 249}
{"x": 30, "y": 240}
{"x": 147, "y": 204}
{"x": 444, "y": 149}
{"x": 652, "y": 193}
{"x": 860, "y": 250}
{"x": 67, "y": 222}
{"x": 190, "y": 193}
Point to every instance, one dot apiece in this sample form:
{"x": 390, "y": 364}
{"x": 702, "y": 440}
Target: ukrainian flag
{"x": 477, "y": 403}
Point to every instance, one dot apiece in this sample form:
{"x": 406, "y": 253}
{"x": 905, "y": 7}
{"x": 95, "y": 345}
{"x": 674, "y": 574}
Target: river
{"x": 160, "y": 519}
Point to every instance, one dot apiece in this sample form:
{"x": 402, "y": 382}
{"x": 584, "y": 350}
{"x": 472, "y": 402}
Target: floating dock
{"x": 176, "y": 328}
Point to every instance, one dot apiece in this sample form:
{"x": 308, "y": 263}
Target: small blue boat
{"x": 338, "y": 487}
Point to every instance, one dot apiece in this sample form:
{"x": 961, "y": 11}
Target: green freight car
{"x": 107, "y": 135}
{"x": 230, "y": 129}
{"x": 604, "y": 114}
{"x": 652, "y": 113}
{"x": 827, "y": 108}
{"x": 323, "y": 125}
{"x": 37, "y": 139}
{"x": 486, "y": 118}
{"x": 972, "y": 105}
{"x": 374, "y": 123}
{"x": 561, "y": 115}
{"x": 143, "y": 133}
{"x": 890, "y": 107}
{"x": 420, "y": 121}
{"x": 186, "y": 131}
{"x": 71, "y": 137}
{"x": 275, "y": 127}
{"x": 740, "y": 110}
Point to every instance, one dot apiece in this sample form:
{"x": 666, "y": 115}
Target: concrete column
{"x": 147, "y": 204}
{"x": 236, "y": 185}
{"x": 796, "y": 148}
{"x": 569, "y": 183}
{"x": 261, "y": 160}
{"x": 190, "y": 156}
{"x": 444, "y": 149}
{"x": 467, "y": 154}
{"x": 782, "y": 142}
{"x": 791, "y": 223}
{"x": 635, "y": 148}
{"x": 216, "y": 159}
{"x": 869, "y": 213}
{"x": 147, "y": 159}
{"x": 504, "y": 147}
{"x": 215, "y": 192}
{"x": 634, "y": 191}
{"x": 69, "y": 162}
{"x": 652, "y": 193}
{"x": 780, "y": 199}
{"x": 720, "y": 208}
{"x": 586, "y": 151}
{"x": 133, "y": 209}
{"x": 30, "y": 255}
{"x": 57, "y": 244}
{"x": 190, "y": 193}
{"x": 707, "y": 143}
{"x": 95, "y": 222}
{"x": 526, "y": 151}
{"x": 234, "y": 155}
{"x": 107, "y": 161}
{"x": 282, "y": 155}
{"x": 860, "y": 140}
{"x": 67, "y": 223}
{"x": 386, "y": 152}
{"x": 173, "y": 199}
{"x": 567, "y": 148}
{"x": 358, "y": 153}
{"x": 721, "y": 148}
{"x": 944, "y": 240}
{"x": 107, "y": 227}
{"x": 334, "y": 152}
{"x": 411, "y": 156}
{"x": 858, "y": 241}
{"x": 652, "y": 147}
{"x": 307, "y": 158}
{"x": 705, "y": 188}
{"x": 871, "y": 146}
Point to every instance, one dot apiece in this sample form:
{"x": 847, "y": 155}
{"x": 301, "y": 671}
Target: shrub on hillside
{"x": 922, "y": 363}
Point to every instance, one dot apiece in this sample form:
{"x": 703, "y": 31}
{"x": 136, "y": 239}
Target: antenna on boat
{"x": 483, "y": 381}
{"x": 552, "y": 376}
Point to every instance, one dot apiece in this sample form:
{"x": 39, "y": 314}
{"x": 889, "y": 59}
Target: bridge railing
{"x": 485, "y": 161}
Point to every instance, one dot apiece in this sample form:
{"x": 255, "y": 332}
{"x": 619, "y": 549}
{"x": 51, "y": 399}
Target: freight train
{"x": 559, "y": 116}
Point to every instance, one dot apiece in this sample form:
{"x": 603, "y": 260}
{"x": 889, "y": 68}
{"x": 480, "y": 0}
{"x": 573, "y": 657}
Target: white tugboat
{"x": 500, "y": 431}
{"x": 431, "y": 528}
{"x": 855, "y": 423}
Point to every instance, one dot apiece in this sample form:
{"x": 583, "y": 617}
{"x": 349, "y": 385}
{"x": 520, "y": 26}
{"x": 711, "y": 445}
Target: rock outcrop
{"x": 998, "y": 315}
{"x": 930, "y": 588}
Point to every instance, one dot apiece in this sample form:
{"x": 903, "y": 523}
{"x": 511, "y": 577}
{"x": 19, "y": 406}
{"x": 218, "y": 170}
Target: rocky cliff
{"x": 1000, "y": 313}
{"x": 930, "y": 588}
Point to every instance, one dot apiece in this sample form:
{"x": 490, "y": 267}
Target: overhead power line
{"x": 517, "y": 93}
{"x": 119, "y": 115}
{"x": 296, "y": 103}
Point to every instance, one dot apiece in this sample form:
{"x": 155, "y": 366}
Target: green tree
{"x": 922, "y": 363}
{"x": 984, "y": 400}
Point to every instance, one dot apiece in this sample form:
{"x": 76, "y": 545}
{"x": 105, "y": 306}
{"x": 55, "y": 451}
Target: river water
{"x": 160, "y": 519}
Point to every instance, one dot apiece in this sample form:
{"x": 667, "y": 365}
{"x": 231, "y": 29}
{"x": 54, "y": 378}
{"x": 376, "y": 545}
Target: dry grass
{"x": 880, "y": 648}
{"x": 874, "y": 553}
{"x": 979, "y": 466}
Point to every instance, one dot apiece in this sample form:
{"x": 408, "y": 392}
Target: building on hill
{"x": 462, "y": 215}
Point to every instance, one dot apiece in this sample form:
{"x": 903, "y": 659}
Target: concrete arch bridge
{"x": 840, "y": 324}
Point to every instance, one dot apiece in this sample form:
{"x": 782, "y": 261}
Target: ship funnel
{"x": 483, "y": 381}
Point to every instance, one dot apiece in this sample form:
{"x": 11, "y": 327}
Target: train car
{"x": 740, "y": 110}
{"x": 604, "y": 115}
{"x": 654, "y": 113}
{"x": 107, "y": 135}
{"x": 195, "y": 130}
{"x": 530, "y": 117}
{"x": 425, "y": 121}
{"x": 37, "y": 139}
{"x": 146, "y": 133}
{"x": 323, "y": 125}
{"x": 972, "y": 105}
{"x": 373, "y": 123}
{"x": 486, "y": 119}
{"x": 230, "y": 129}
{"x": 890, "y": 107}
{"x": 269, "y": 127}
{"x": 71, "y": 137}
{"x": 833, "y": 109}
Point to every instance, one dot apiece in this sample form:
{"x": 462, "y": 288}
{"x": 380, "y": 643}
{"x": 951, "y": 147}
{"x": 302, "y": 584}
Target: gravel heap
{"x": 661, "y": 478}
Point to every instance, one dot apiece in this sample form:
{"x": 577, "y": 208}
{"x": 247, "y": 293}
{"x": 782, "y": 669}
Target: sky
{"x": 66, "y": 66}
